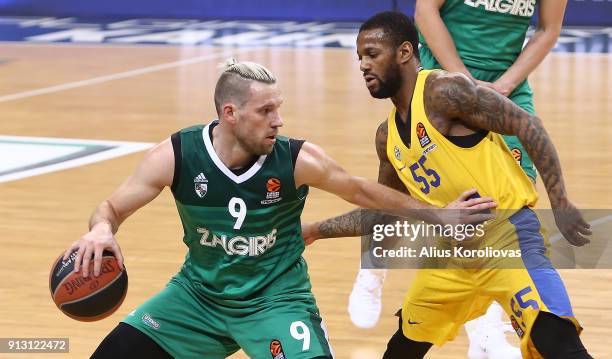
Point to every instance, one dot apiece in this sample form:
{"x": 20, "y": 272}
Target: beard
{"x": 390, "y": 85}
{"x": 253, "y": 147}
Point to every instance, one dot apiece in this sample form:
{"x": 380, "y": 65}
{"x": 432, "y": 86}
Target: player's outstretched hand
{"x": 571, "y": 224}
{"x": 310, "y": 232}
{"x": 468, "y": 208}
{"x": 92, "y": 245}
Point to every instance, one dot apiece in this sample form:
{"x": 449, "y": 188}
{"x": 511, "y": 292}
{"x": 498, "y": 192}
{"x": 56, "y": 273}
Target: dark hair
{"x": 397, "y": 26}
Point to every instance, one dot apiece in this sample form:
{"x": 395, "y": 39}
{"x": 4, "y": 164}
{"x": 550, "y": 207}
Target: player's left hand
{"x": 571, "y": 224}
{"x": 310, "y": 232}
{"x": 502, "y": 87}
{"x": 482, "y": 83}
{"x": 469, "y": 207}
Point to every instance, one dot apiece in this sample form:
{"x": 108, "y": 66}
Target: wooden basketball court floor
{"x": 326, "y": 103}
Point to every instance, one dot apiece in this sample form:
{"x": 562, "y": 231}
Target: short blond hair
{"x": 235, "y": 80}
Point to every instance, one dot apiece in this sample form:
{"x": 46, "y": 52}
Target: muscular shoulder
{"x": 386, "y": 171}
{"x": 441, "y": 82}
{"x": 311, "y": 152}
{"x": 158, "y": 164}
{"x": 449, "y": 93}
{"x": 310, "y": 164}
{"x": 162, "y": 151}
{"x": 381, "y": 140}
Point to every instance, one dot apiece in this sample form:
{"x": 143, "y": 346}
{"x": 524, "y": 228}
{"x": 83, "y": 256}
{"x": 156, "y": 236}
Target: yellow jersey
{"x": 437, "y": 171}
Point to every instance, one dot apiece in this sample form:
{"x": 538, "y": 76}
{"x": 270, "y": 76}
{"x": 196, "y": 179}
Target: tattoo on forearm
{"x": 358, "y": 222}
{"x": 346, "y": 225}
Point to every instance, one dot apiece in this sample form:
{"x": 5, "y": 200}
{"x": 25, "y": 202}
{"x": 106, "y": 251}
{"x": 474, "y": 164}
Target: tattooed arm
{"x": 359, "y": 221}
{"x": 453, "y": 97}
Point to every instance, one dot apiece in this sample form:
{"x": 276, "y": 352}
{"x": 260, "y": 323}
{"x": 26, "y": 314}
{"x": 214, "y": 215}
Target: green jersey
{"x": 243, "y": 230}
{"x": 488, "y": 34}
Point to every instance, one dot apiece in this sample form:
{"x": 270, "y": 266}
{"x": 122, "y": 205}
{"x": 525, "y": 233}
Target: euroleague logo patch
{"x": 276, "y": 349}
{"x": 273, "y": 187}
{"x": 421, "y": 133}
{"x": 517, "y": 154}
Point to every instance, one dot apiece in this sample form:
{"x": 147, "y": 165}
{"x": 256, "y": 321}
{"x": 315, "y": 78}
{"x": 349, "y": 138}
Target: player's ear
{"x": 405, "y": 52}
{"x": 229, "y": 113}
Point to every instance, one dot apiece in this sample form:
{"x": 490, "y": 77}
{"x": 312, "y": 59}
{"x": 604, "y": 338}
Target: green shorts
{"x": 189, "y": 325}
{"x": 522, "y": 96}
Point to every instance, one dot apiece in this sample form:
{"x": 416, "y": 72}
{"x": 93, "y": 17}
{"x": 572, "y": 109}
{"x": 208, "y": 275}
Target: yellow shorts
{"x": 440, "y": 301}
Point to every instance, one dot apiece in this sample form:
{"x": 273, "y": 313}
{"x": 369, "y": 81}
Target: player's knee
{"x": 126, "y": 341}
{"x": 555, "y": 337}
{"x": 401, "y": 347}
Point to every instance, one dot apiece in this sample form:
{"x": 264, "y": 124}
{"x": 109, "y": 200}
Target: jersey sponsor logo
{"x": 276, "y": 349}
{"x": 273, "y": 187}
{"x": 250, "y": 246}
{"x": 201, "y": 185}
{"x": 150, "y": 322}
{"x": 421, "y": 133}
{"x": 429, "y": 149}
{"x": 398, "y": 154}
{"x": 517, "y": 328}
{"x": 524, "y": 8}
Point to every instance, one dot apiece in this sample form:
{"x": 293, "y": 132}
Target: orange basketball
{"x": 92, "y": 298}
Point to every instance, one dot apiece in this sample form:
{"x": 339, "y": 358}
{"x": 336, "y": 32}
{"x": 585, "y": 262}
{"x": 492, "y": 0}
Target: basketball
{"x": 92, "y": 298}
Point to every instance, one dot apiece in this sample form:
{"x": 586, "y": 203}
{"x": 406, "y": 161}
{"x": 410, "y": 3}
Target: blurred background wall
{"x": 578, "y": 13}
